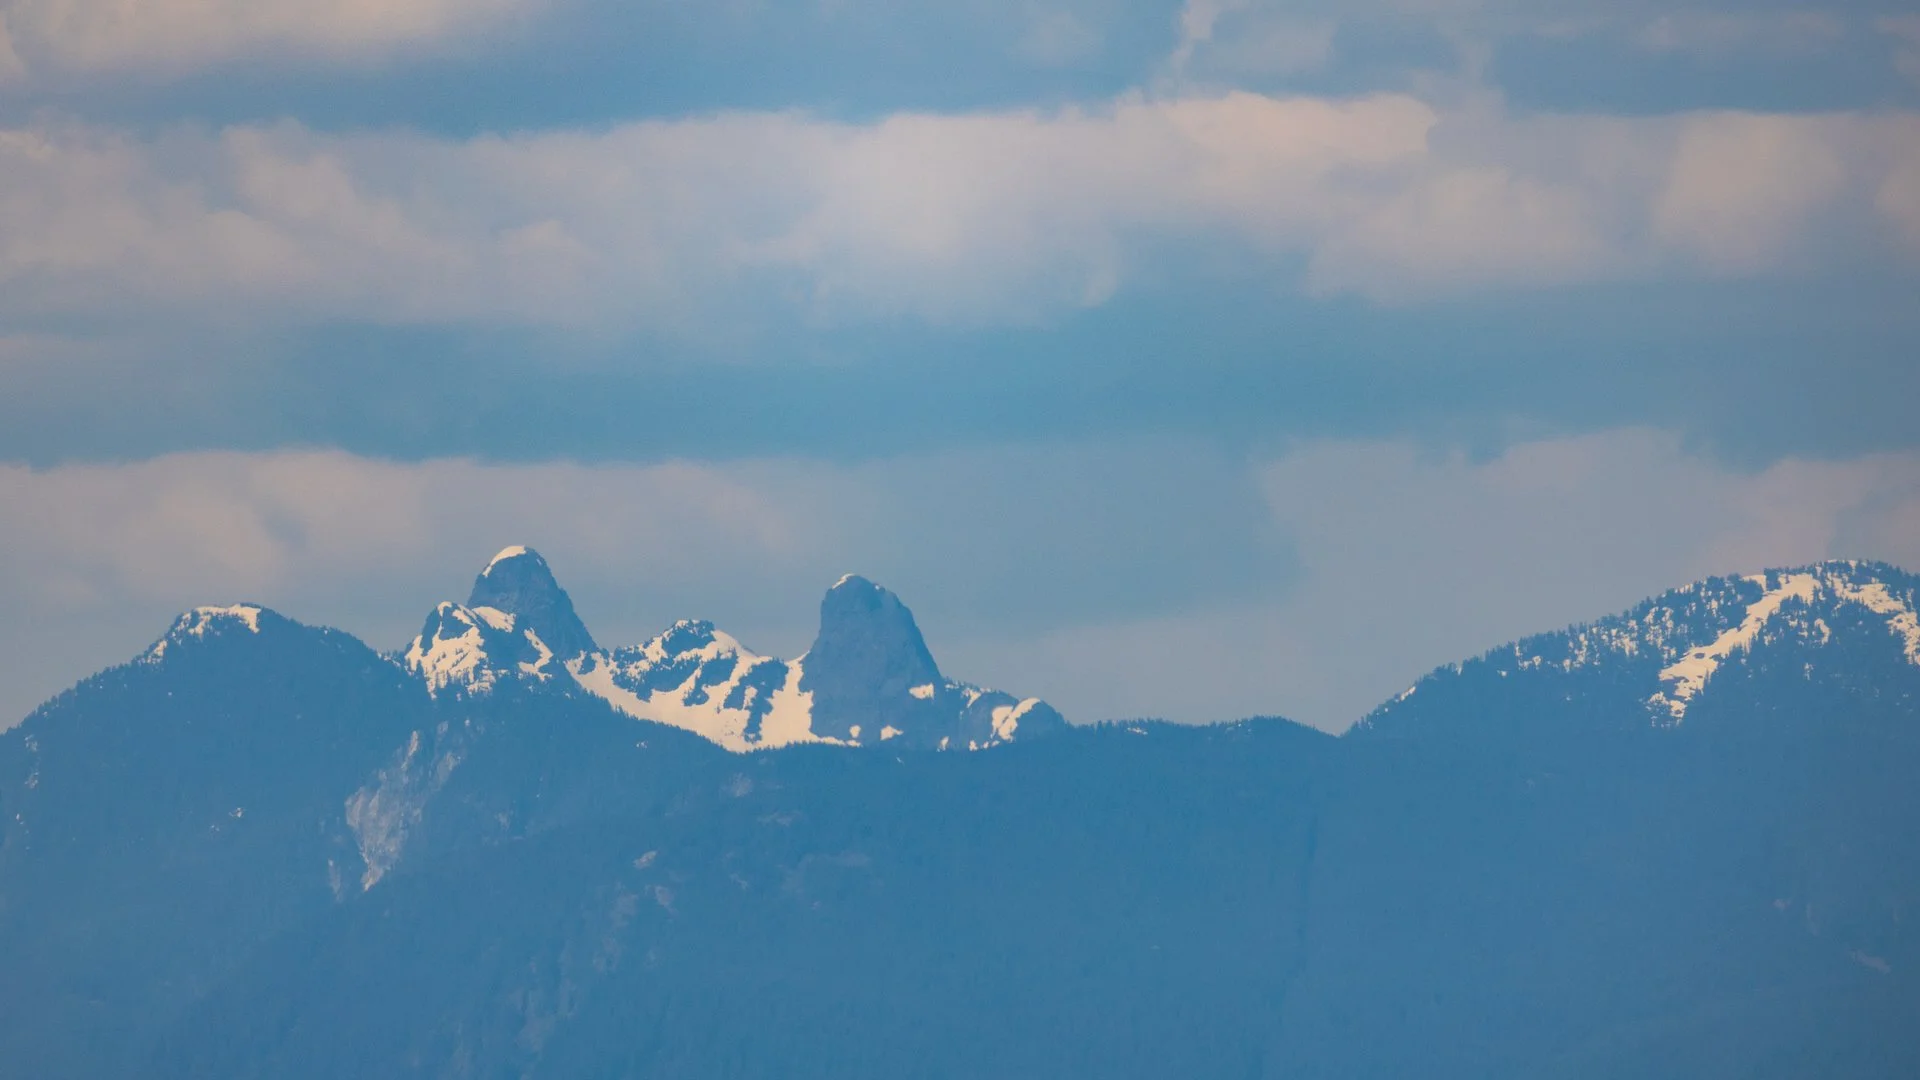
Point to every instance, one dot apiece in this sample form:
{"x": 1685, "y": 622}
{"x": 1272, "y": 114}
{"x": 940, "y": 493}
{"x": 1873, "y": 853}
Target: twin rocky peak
{"x": 868, "y": 678}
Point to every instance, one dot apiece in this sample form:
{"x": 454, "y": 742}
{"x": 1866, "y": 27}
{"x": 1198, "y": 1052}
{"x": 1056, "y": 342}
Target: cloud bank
{"x": 999, "y": 218}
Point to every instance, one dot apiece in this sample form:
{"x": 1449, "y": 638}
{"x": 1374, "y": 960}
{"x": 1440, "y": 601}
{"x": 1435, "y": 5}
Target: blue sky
{"x": 1191, "y": 359}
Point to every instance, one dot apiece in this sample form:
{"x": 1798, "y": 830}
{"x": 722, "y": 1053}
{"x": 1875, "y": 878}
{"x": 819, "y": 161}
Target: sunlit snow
{"x": 197, "y": 622}
{"x": 506, "y": 553}
{"x": 1688, "y": 676}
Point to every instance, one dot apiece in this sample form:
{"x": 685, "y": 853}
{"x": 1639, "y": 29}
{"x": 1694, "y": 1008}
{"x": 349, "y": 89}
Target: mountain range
{"x": 1683, "y": 841}
{"x": 868, "y": 677}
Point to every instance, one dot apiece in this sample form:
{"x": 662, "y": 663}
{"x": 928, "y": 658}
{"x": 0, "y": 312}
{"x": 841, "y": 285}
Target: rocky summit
{"x": 518, "y": 582}
{"x": 868, "y": 678}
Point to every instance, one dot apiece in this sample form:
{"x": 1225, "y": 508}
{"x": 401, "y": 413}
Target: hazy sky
{"x": 1194, "y": 360}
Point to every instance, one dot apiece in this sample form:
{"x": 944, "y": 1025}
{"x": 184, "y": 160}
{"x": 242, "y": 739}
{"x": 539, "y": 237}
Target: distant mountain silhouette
{"x": 1678, "y": 842}
{"x": 868, "y": 678}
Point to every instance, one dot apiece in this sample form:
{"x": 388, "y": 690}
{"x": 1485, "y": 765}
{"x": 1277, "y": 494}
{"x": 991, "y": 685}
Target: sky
{"x": 1195, "y": 359}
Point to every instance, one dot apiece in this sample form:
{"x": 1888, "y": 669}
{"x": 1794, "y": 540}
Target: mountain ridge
{"x": 873, "y": 681}
{"x": 493, "y": 643}
{"x": 1673, "y": 644}
{"x": 262, "y": 848}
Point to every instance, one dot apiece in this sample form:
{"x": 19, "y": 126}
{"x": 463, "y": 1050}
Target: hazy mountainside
{"x": 1845, "y": 625}
{"x": 1684, "y": 841}
{"x": 165, "y": 818}
{"x": 1731, "y": 888}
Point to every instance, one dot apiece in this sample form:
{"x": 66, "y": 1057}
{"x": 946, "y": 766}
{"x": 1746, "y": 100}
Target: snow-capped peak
{"x": 202, "y": 622}
{"x": 1688, "y": 675}
{"x": 197, "y": 621}
{"x": 868, "y": 674}
{"x": 470, "y": 649}
{"x": 1676, "y": 645}
{"x": 1792, "y": 602}
{"x": 516, "y": 622}
{"x": 1903, "y": 620}
{"x": 519, "y": 582}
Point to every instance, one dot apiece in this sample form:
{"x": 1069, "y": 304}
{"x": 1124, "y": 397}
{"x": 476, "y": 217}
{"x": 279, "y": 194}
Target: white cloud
{"x": 985, "y": 217}
{"x": 1743, "y": 187}
{"x": 194, "y": 527}
{"x": 1469, "y": 226}
{"x": 167, "y": 36}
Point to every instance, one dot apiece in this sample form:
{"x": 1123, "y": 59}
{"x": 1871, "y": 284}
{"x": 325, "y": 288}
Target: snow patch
{"x": 460, "y": 659}
{"x": 538, "y": 667}
{"x": 788, "y": 718}
{"x": 1006, "y": 719}
{"x": 242, "y": 613}
{"x": 791, "y": 718}
{"x": 494, "y": 617}
{"x": 506, "y": 553}
{"x": 1686, "y": 677}
{"x": 1901, "y": 620}
{"x": 197, "y": 622}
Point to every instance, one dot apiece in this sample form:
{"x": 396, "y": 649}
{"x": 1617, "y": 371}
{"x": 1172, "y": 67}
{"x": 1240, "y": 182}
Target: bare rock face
{"x": 519, "y": 582}
{"x": 872, "y": 679}
{"x": 868, "y": 662}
